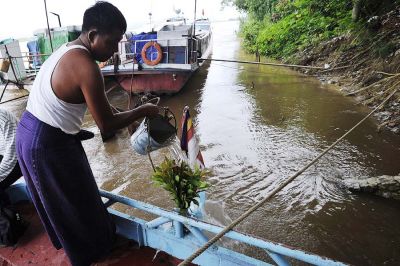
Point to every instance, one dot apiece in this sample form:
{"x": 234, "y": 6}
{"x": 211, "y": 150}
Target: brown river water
{"x": 257, "y": 126}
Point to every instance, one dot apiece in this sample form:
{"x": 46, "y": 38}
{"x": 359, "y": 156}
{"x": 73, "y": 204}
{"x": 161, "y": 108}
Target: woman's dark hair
{"x": 104, "y": 17}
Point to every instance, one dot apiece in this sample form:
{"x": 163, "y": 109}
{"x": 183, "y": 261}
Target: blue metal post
{"x": 280, "y": 260}
{"x": 178, "y": 226}
{"x": 157, "y": 222}
{"x": 198, "y": 234}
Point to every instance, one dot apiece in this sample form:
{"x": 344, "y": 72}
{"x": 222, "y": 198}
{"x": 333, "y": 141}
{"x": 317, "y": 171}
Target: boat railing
{"x": 277, "y": 252}
{"x": 31, "y": 61}
{"x": 128, "y": 56}
{"x": 180, "y": 235}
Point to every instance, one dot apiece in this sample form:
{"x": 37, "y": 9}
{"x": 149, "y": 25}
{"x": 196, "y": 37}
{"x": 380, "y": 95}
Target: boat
{"x": 165, "y": 240}
{"x": 177, "y": 20}
{"x": 160, "y": 62}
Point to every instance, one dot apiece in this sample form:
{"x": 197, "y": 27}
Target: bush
{"x": 295, "y": 25}
{"x": 249, "y": 32}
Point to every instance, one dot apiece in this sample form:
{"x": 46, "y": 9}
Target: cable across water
{"x": 284, "y": 184}
{"x": 260, "y": 63}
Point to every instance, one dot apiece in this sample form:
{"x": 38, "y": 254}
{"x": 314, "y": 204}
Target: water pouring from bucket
{"x": 155, "y": 132}
{"x": 184, "y": 180}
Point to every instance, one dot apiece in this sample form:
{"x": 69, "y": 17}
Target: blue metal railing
{"x": 277, "y": 252}
{"x": 180, "y": 243}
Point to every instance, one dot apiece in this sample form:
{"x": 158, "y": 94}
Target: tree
{"x": 258, "y": 8}
{"x": 355, "y": 14}
{"x": 369, "y": 8}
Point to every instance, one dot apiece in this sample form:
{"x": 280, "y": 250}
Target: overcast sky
{"x": 20, "y": 18}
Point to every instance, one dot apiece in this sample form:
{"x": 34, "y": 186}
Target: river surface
{"x": 257, "y": 126}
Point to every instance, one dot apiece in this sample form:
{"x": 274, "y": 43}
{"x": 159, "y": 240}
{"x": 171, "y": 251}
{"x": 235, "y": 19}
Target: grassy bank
{"x": 363, "y": 54}
{"x": 294, "y": 25}
{"x": 280, "y": 28}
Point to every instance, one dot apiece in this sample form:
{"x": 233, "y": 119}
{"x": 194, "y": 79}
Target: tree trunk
{"x": 356, "y": 10}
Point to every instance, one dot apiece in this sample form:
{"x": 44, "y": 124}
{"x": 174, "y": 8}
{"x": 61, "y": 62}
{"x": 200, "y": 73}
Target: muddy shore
{"x": 365, "y": 66}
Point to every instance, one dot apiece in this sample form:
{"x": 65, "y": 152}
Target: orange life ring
{"x": 159, "y": 53}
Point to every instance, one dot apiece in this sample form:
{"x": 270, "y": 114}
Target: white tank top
{"x": 46, "y": 106}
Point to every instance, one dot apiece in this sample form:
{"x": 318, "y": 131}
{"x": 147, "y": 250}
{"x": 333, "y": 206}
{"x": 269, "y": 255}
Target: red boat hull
{"x": 157, "y": 83}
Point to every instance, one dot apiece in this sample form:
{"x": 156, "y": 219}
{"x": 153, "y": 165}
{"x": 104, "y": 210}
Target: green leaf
{"x": 180, "y": 181}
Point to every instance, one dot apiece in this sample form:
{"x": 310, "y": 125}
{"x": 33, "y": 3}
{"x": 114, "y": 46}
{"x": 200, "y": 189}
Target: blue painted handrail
{"x": 277, "y": 252}
{"x": 175, "y": 240}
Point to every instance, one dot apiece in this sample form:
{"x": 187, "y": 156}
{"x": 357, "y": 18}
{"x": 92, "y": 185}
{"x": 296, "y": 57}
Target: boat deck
{"x": 35, "y": 248}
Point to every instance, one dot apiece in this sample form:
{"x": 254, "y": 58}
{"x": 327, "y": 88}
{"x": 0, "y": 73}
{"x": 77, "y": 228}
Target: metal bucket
{"x": 154, "y": 133}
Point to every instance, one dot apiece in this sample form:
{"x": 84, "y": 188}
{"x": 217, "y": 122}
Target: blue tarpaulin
{"x": 139, "y": 45}
{"x": 176, "y": 54}
{"x": 33, "y": 48}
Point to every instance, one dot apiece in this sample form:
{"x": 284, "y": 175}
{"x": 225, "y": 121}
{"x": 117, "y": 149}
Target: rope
{"x": 260, "y": 63}
{"x": 148, "y": 150}
{"x": 27, "y": 56}
{"x": 151, "y": 161}
{"x": 130, "y": 91}
{"x": 271, "y": 194}
{"x": 251, "y": 71}
{"x": 148, "y": 143}
{"x": 15, "y": 99}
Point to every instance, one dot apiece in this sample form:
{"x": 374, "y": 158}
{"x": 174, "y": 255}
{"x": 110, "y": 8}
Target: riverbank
{"x": 357, "y": 41}
{"x": 367, "y": 69}
{"x": 364, "y": 64}
{"x": 362, "y": 59}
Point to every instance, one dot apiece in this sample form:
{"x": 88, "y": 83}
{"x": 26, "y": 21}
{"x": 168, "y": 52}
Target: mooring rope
{"x": 252, "y": 71}
{"x": 148, "y": 149}
{"x": 272, "y": 193}
{"x": 261, "y": 63}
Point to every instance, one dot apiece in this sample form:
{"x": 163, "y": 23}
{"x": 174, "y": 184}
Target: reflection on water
{"x": 257, "y": 126}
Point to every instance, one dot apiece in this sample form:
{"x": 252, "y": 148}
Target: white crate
{"x": 18, "y": 63}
